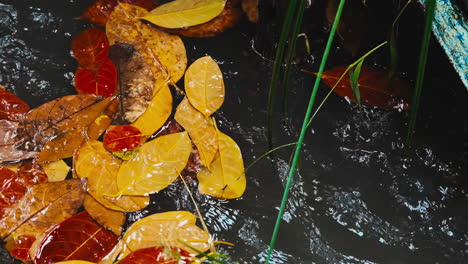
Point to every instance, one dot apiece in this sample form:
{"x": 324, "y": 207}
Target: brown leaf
{"x": 110, "y": 219}
{"x": 375, "y": 87}
{"x": 8, "y": 150}
{"x": 43, "y": 206}
{"x": 136, "y": 81}
{"x": 250, "y": 7}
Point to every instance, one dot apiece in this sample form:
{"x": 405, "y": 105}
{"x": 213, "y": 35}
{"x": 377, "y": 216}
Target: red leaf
{"x": 122, "y": 138}
{"x": 99, "y": 12}
{"x": 375, "y": 87}
{"x": 11, "y": 189}
{"x": 19, "y": 247}
{"x": 104, "y": 83}
{"x": 91, "y": 48}
{"x": 77, "y": 238}
{"x": 11, "y": 107}
{"x": 32, "y": 173}
{"x": 157, "y": 255}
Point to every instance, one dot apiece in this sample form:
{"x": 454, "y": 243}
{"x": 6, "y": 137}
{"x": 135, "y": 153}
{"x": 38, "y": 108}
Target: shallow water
{"x": 354, "y": 200}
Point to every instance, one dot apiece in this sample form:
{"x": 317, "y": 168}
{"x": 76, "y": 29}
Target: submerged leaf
{"x": 157, "y": 164}
{"x": 200, "y": 128}
{"x": 204, "y": 85}
{"x": 110, "y": 219}
{"x": 12, "y": 107}
{"x": 165, "y": 53}
{"x": 226, "y": 177}
{"x": 8, "y": 139}
{"x": 43, "y": 206}
{"x": 102, "y": 83}
{"x": 91, "y": 48}
{"x": 77, "y": 238}
{"x": 100, "y": 167}
{"x": 250, "y": 7}
{"x": 375, "y": 88}
{"x": 158, "y": 255}
{"x": 185, "y": 13}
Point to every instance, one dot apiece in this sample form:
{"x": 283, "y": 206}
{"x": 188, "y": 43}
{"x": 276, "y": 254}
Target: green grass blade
{"x": 298, "y": 149}
{"x": 215, "y": 258}
{"x": 430, "y": 13}
{"x": 268, "y": 153}
{"x": 392, "y": 42}
{"x": 354, "y": 79}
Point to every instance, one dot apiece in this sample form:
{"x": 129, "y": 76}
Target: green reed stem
{"x": 298, "y": 149}
{"x": 430, "y": 13}
{"x": 393, "y": 44}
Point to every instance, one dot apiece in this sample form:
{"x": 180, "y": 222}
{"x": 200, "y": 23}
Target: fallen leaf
{"x": 165, "y": 53}
{"x": 12, "y": 166}
{"x": 12, "y": 189}
{"x": 75, "y": 262}
{"x": 102, "y": 83}
{"x": 122, "y": 138}
{"x": 32, "y": 173}
{"x": 204, "y": 85}
{"x": 56, "y": 171}
{"x": 375, "y": 88}
{"x": 99, "y": 126}
{"x": 136, "y": 81}
{"x": 230, "y": 16}
{"x": 250, "y": 8}
{"x": 158, "y": 255}
{"x": 19, "y": 247}
{"x": 100, "y": 167}
{"x": 12, "y": 107}
{"x": 43, "y": 206}
{"x": 170, "y": 229}
{"x": 353, "y": 25}
{"x": 110, "y": 219}
{"x": 226, "y": 177}
{"x": 91, "y": 48}
{"x": 99, "y": 11}
{"x": 157, "y": 164}
{"x": 8, "y": 139}
{"x": 158, "y": 111}
{"x": 185, "y": 13}
{"x": 76, "y": 238}
{"x": 200, "y": 128}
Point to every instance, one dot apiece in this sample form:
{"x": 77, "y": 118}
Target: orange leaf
{"x": 11, "y": 107}
{"x": 32, "y": 173}
{"x": 157, "y": 255}
{"x": 12, "y": 189}
{"x": 19, "y": 247}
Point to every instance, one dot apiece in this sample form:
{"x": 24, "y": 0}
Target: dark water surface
{"x": 355, "y": 199}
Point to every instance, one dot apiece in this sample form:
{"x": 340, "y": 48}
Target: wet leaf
{"x": 75, "y": 262}
{"x": 56, "y": 171}
{"x": 165, "y": 53}
{"x": 226, "y": 177}
{"x": 77, "y": 238}
{"x": 185, "y": 13}
{"x": 99, "y": 126}
{"x": 122, "y": 138}
{"x": 102, "y": 83}
{"x": 155, "y": 255}
{"x": 12, "y": 107}
{"x": 375, "y": 88}
{"x": 159, "y": 109}
{"x": 157, "y": 164}
{"x": 99, "y": 11}
{"x": 230, "y": 16}
{"x": 19, "y": 247}
{"x": 110, "y": 219}
{"x": 250, "y": 7}
{"x": 8, "y": 150}
{"x": 170, "y": 229}
{"x": 12, "y": 189}
{"x": 100, "y": 167}
{"x": 43, "y": 206}
{"x": 136, "y": 81}
{"x": 91, "y": 48}
{"x": 204, "y": 85}
{"x": 31, "y": 173}
{"x": 200, "y": 128}
{"x": 353, "y": 25}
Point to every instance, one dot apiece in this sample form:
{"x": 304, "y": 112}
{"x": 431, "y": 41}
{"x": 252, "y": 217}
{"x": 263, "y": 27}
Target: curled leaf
{"x": 200, "y": 128}
{"x": 158, "y": 255}
{"x": 204, "y": 85}
{"x": 12, "y": 107}
{"x": 226, "y": 177}
{"x": 102, "y": 83}
{"x": 165, "y": 53}
{"x": 100, "y": 167}
{"x": 91, "y": 48}
{"x": 157, "y": 164}
{"x": 185, "y": 13}
{"x": 375, "y": 88}
{"x": 77, "y": 238}
{"x": 110, "y": 219}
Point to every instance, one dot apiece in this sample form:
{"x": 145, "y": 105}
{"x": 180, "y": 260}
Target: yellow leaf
{"x": 165, "y": 53}
{"x": 185, "y": 13}
{"x": 226, "y": 177}
{"x": 12, "y": 166}
{"x": 100, "y": 167}
{"x": 156, "y": 165}
{"x": 56, "y": 171}
{"x": 110, "y": 219}
{"x": 204, "y": 85}
{"x": 200, "y": 129}
{"x": 159, "y": 109}
{"x": 169, "y": 229}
